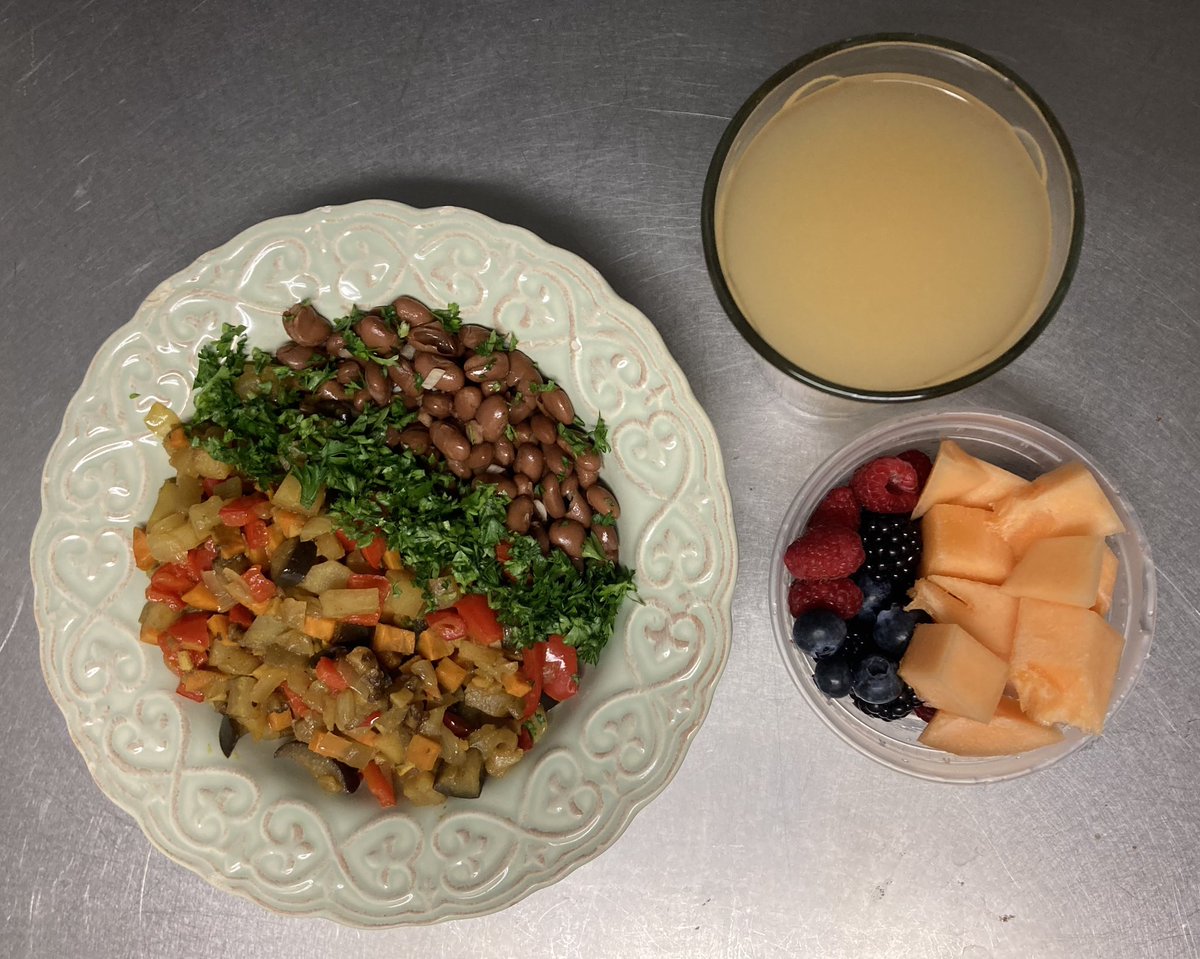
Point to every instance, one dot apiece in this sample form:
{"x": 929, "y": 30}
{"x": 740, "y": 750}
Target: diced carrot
{"x": 450, "y": 675}
{"x": 423, "y": 752}
{"x": 288, "y": 523}
{"x": 176, "y": 440}
{"x": 333, "y": 746}
{"x": 141, "y": 550}
{"x": 201, "y": 597}
{"x": 361, "y": 619}
{"x": 393, "y": 639}
{"x": 319, "y": 627}
{"x": 392, "y": 560}
{"x": 218, "y": 626}
{"x": 515, "y": 685}
{"x": 432, "y": 645}
{"x": 279, "y": 721}
{"x": 368, "y": 737}
{"x": 380, "y": 784}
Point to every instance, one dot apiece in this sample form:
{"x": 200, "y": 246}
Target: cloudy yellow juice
{"x": 885, "y": 232}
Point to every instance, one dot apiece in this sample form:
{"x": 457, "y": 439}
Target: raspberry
{"x": 838, "y": 508}
{"x": 826, "y": 552}
{"x": 886, "y": 485}
{"x": 839, "y": 596}
{"x": 920, "y": 462}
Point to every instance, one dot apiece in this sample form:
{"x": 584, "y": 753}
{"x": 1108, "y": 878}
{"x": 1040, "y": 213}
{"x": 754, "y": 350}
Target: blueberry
{"x": 819, "y": 633}
{"x": 875, "y": 680}
{"x": 876, "y": 591}
{"x": 893, "y": 629}
{"x": 832, "y": 676}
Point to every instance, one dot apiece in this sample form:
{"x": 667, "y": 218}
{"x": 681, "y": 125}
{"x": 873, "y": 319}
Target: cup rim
{"x": 795, "y": 371}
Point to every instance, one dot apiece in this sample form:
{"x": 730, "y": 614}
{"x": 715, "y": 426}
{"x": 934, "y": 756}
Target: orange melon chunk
{"x": 1064, "y": 663}
{"x": 1061, "y": 569}
{"x": 950, "y": 670}
{"x": 1009, "y": 731}
{"x": 1067, "y": 501}
{"x": 961, "y": 541}
{"x": 1108, "y": 581}
{"x": 998, "y": 484}
{"x": 986, "y": 612}
{"x": 955, "y": 472}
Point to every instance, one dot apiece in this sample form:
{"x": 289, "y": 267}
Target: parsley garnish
{"x": 449, "y": 317}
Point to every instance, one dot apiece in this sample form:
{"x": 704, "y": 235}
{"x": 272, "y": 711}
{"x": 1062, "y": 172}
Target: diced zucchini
{"x": 462, "y": 781}
{"x": 232, "y": 659}
{"x": 329, "y": 575}
{"x": 340, "y": 603}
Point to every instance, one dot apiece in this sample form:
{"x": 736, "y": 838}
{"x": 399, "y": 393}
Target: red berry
{"x": 825, "y": 552}
{"x": 886, "y": 485}
{"x": 920, "y": 462}
{"x": 838, "y": 508}
{"x": 840, "y": 596}
{"x": 925, "y": 713}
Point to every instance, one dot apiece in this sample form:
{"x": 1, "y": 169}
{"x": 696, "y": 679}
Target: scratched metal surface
{"x": 135, "y": 135}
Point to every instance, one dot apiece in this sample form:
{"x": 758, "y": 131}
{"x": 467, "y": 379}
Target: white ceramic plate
{"x": 256, "y": 826}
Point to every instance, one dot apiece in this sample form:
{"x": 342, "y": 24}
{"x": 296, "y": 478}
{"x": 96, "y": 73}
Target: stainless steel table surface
{"x": 136, "y": 135}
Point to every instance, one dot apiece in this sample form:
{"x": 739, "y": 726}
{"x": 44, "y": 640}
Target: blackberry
{"x": 898, "y": 708}
{"x": 892, "y": 544}
{"x": 860, "y": 641}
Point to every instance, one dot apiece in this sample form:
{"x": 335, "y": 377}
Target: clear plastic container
{"x": 1026, "y": 448}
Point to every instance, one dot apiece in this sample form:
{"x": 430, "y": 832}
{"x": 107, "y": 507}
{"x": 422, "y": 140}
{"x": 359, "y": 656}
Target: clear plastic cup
{"x": 1026, "y": 448}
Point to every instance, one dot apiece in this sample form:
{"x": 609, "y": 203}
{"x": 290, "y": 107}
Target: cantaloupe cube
{"x": 985, "y": 611}
{"x": 1064, "y": 663}
{"x": 1009, "y": 731}
{"x": 960, "y": 541}
{"x": 1061, "y": 569}
{"x": 950, "y": 670}
{"x": 954, "y": 473}
{"x": 998, "y": 483}
{"x": 1108, "y": 581}
{"x": 1067, "y": 501}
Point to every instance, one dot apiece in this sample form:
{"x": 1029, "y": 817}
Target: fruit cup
{"x": 1028, "y": 449}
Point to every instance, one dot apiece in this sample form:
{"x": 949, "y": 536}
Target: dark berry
{"x": 876, "y": 594}
{"x": 892, "y": 545}
{"x": 832, "y": 676}
{"x": 875, "y": 680}
{"x": 897, "y": 708}
{"x": 819, "y": 633}
{"x": 860, "y": 641}
{"x": 925, "y": 713}
{"x": 893, "y": 629}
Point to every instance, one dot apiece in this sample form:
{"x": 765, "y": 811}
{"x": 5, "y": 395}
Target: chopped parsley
{"x": 249, "y": 415}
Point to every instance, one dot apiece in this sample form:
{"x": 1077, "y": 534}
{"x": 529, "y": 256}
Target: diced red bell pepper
{"x": 189, "y": 694}
{"x": 242, "y": 510}
{"x": 481, "y": 623}
{"x": 371, "y": 720}
{"x": 380, "y": 784}
{"x": 327, "y": 671}
{"x": 257, "y": 583}
{"x": 361, "y": 619}
{"x": 503, "y": 552}
{"x": 299, "y": 707}
{"x": 255, "y": 532}
{"x": 166, "y": 597}
{"x": 533, "y": 661}
{"x": 373, "y": 552}
{"x": 240, "y": 616}
{"x": 369, "y": 581}
{"x": 348, "y": 544}
{"x": 209, "y": 485}
{"x": 173, "y": 578}
{"x": 200, "y": 559}
{"x": 560, "y": 672}
{"x": 171, "y": 648}
{"x": 448, "y": 623}
{"x": 192, "y": 631}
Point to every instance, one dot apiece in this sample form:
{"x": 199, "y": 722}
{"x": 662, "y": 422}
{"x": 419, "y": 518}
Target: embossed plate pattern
{"x": 261, "y": 829}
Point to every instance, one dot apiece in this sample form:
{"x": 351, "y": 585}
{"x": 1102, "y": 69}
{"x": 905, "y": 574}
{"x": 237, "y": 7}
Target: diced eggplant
{"x": 331, "y": 776}
{"x": 464, "y": 781}
{"x": 231, "y": 732}
{"x": 239, "y": 564}
{"x": 292, "y": 561}
{"x": 350, "y": 636}
{"x": 493, "y": 702}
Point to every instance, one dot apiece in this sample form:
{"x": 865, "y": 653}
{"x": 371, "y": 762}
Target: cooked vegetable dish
{"x": 386, "y": 544}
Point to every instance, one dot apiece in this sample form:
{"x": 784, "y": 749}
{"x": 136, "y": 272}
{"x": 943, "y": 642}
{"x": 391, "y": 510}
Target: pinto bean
{"x": 607, "y": 535}
{"x": 523, "y": 484}
{"x": 492, "y": 368}
{"x": 437, "y": 405}
{"x": 552, "y": 497}
{"x": 459, "y": 468}
{"x": 480, "y": 456}
{"x": 529, "y": 461}
{"x": 504, "y": 451}
{"x": 557, "y": 404}
{"x": 603, "y": 502}
{"x": 590, "y": 461}
{"x": 556, "y": 463}
{"x": 305, "y": 325}
{"x": 579, "y": 511}
{"x": 450, "y": 379}
{"x": 568, "y": 535}
{"x": 450, "y": 442}
{"x": 492, "y": 417}
{"x": 466, "y": 403}
{"x": 330, "y": 390}
{"x": 521, "y": 369}
{"x": 587, "y": 478}
{"x": 336, "y": 345}
{"x": 434, "y": 338}
{"x": 472, "y": 336}
{"x": 359, "y": 400}
{"x": 543, "y": 429}
{"x": 376, "y": 335}
{"x": 294, "y": 356}
{"x": 404, "y": 376}
{"x": 524, "y": 406}
{"x": 412, "y": 311}
{"x": 520, "y": 513}
{"x": 377, "y": 384}
{"x": 348, "y": 371}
